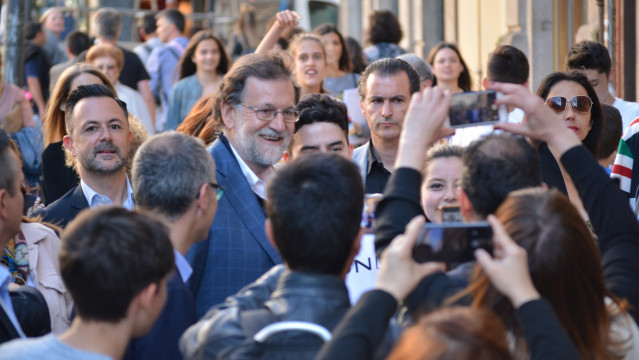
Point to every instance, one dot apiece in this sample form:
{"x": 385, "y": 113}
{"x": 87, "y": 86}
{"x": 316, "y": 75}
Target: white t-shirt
{"x": 629, "y": 111}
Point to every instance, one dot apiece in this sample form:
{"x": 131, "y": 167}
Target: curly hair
{"x": 384, "y": 27}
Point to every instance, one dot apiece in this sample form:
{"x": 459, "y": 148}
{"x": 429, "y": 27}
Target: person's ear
{"x": 203, "y": 200}
{"x": 484, "y": 83}
{"x": 611, "y": 76}
{"x": 229, "y": 115}
{"x": 268, "y": 228}
{"x": 4, "y": 204}
{"x": 350, "y": 151}
{"x": 68, "y": 143}
{"x": 145, "y": 297}
{"x": 465, "y": 207}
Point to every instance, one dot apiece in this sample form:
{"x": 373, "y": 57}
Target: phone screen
{"x": 475, "y": 108}
{"x": 452, "y": 243}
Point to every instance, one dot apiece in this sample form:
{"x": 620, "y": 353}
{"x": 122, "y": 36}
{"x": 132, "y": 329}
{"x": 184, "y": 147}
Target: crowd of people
{"x": 200, "y": 199}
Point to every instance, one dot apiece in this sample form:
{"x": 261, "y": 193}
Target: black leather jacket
{"x": 298, "y": 296}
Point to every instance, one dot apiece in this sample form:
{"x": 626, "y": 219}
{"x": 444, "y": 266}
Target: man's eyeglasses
{"x": 219, "y": 189}
{"x": 580, "y": 103}
{"x": 269, "y": 114}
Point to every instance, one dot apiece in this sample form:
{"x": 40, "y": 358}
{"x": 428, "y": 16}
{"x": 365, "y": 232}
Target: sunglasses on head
{"x": 580, "y": 103}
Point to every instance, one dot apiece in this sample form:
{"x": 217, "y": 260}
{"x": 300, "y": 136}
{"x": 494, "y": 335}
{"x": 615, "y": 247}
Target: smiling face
{"x": 100, "y": 138}
{"x": 446, "y": 65}
{"x": 333, "y": 49}
{"x": 579, "y": 122}
{"x": 109, "y": 67}
{"x": 322, "y": 137}
{"x": 207, "y": 56}
{"x": 385, "y": 104}
{"x": 260, "y": 143}
{"x": 441, "y": 186}
{"x": 310, "y": 65}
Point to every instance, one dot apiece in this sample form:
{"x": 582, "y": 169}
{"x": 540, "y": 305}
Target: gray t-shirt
{"x": 45, "y": 347}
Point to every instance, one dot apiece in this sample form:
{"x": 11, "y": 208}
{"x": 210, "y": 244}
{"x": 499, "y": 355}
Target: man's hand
{"x": 508, "y": 271}
{"x": 423, "y": 125}
{"x": 541, "y": 124}
{"x": 399, "y": 273}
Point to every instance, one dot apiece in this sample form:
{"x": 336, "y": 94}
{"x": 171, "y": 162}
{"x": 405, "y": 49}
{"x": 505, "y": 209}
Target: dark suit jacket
{"x": 237, "y": 251}
{"x": 7, "y": 330}
{"x": 65, "y": 209}
{"x": 178, "y": 314}
{"x": 57, "y": 178}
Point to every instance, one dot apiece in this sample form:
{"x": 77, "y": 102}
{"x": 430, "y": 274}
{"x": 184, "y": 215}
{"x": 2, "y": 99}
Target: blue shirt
{"x": 183, "y": 96}
{"x": 5, "y": 299}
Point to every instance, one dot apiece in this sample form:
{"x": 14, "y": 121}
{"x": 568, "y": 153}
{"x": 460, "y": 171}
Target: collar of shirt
{"x": 372, "y": 159}
{"x": 183, "y": 266}
{"x": 258, "y": 185}
{"x": 94, "y": 199}
{"x": 5, "y": 299}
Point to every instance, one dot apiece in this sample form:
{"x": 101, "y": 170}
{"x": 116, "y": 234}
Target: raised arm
{"x": 284, "y": 19}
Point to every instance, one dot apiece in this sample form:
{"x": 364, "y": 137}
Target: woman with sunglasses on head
{"x": 575, "y": 103}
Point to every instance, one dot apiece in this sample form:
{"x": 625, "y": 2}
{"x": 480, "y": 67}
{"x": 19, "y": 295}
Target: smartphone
{"x": 451, "y": 214}
{"x": 476, "y": 108}
{"x": 452, "y": 243}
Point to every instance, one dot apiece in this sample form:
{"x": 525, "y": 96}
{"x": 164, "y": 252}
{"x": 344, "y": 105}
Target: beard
{"x": 92, "y": 164}
{"x": 262, "y": 155}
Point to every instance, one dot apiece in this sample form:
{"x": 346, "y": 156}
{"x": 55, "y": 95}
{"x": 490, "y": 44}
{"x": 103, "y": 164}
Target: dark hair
{"x": 187, "y": 66}
{"x": 464, "y": 82}
{"x": 508, "y": 64}
{"x": 384, "y": 27}
{"x": 357, "y": 55}
{"x": 322, "y": 108}
{"x": 9, "y": 167}
{"x": 31, "y": 29}
{"x": 168, "y": 170}
{"x": 611, "y": 131}
{"x": 387, "y": 67}
{"x": 77, "y": 42}
{"x": 454, "y": 333}
{"x": 315, "y": 209}
{"x": 558, "y": 244}
{"x": 589, "y": 55}
{"x": 494, "y": 166}
{"x": 441, "y": 151}
{"x": 265, "y": 67}
{"x": 174, "y": 17}
{"x": 108, "y": 255}
{"x": 344, "y": 58}
{"x": 596, "y": 117}
{"x": 53, "y": 126}
{"x": 88, "y": 91}
{"x": 148, "y": 24}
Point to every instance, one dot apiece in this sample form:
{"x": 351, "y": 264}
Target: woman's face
{"x": 577, "y": 121}
{"x": 55, "y": 22}
{"x": 207, "y": 56}
{"x": 310, "y": 64}
{"x": 109, "y": 67}
{"x": 333, "y": 49}
{"x": 441, "y": 186}
{"x": 447, "y": 66}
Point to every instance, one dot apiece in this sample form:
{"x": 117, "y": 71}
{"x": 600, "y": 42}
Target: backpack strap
{"x": 282, "y": 326}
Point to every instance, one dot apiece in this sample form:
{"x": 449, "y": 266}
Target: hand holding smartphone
{"x": 452, "y": 243}
{"x": 476, "y": 108}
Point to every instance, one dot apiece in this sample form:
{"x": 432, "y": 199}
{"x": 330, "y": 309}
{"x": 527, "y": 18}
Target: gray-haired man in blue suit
{"x": 255, "y": 112}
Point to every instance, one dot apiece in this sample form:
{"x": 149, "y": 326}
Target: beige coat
{"x": 44, "y": 270}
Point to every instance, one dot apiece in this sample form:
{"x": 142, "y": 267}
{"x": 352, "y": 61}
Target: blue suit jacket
{"x": 178, "y": 314}
{"x": 66, "y": 208}
{"x": 237, "y": 251}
